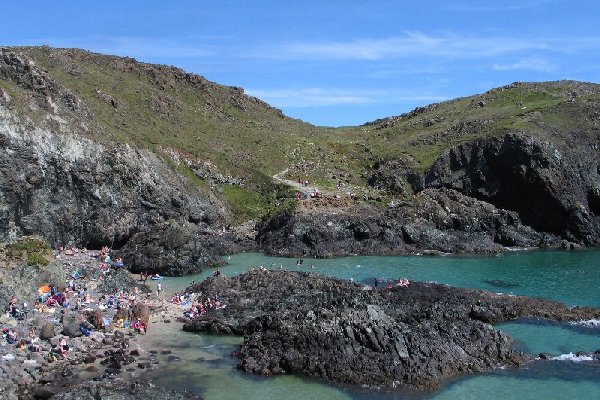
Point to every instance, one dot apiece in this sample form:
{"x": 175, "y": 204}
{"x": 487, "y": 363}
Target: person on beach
{"x": 63, "y": 347}
{"x": 33, "y": 341}
{"x": 12, "y": 337}
{"x": 159, "y": 289}
{"x": 139, "y": 326}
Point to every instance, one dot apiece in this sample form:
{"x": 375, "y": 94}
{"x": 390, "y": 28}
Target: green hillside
{"x": 550, "y": 110}
{"x": 181, "y": 115}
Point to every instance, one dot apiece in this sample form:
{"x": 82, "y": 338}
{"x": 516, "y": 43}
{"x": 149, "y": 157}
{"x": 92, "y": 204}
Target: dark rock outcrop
{"x": 416, "y": 336}
{"x": 432, "y": 220}
{"x": 553, "y": 187}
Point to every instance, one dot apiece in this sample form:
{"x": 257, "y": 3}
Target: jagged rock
{"x": 552, "y": 186}
{"x": 417, "y": 336}
{"x": 441, "y": 220}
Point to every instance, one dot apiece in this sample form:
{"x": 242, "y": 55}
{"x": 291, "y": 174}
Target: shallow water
{"x": 207, "y": 368}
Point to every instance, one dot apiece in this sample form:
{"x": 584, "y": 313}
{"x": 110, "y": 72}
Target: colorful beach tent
{"x": 44, "y": 289}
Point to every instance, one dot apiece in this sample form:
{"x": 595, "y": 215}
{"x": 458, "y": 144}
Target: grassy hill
{"x": 549, "y": 110}
{"x": 204, "y": 129}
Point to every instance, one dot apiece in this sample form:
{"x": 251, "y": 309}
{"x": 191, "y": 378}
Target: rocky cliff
{"x": 156, "y": 162}
{"x": 553, "y": 187}
{"x": 57, "y": 182}
{"x": 479, "y": 196}
{"x": 520, "y": 161}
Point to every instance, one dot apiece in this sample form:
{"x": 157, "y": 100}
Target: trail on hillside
{"x": 278, "y": 177}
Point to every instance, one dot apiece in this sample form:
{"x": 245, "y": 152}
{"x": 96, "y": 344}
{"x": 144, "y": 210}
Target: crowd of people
{"x": 201, "y": 306}
{"x": 84, "y": 270}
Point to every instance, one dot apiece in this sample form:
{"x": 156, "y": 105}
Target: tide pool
{"x": 208, "y": 369}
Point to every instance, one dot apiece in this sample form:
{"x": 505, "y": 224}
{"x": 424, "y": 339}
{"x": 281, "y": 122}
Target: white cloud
{"x": 504, "y": 7}
{"x": 419, "y": 44}
{"x": 315, "y": 97}
{"x": 133, "y": 46}
{"x": 532, "y": 64}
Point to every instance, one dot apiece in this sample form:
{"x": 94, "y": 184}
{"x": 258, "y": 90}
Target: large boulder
{"x": 72, "y": 330}
{"x": 47, "y": 331}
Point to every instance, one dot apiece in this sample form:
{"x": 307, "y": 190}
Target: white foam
{"x": 590, "y": 323}
{"x": 508, "y": 248}
{"x": 573, "y": 357}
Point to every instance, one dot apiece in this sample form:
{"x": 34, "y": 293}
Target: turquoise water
{"x": 207, "y": 367}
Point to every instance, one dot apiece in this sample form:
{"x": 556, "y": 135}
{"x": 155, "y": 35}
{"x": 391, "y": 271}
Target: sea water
{"x": 208, "y": 369}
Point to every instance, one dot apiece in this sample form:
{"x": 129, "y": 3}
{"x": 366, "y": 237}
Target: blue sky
{"x": 332, "y": 62}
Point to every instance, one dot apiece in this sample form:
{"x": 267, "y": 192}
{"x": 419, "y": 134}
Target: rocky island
{"x": 409, "y": 334}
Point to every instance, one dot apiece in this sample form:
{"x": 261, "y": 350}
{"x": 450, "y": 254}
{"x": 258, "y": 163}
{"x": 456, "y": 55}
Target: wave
{"x": 508, "y": 248}
{"x": 573, "y": 357}
{"x": 590, "y": 323}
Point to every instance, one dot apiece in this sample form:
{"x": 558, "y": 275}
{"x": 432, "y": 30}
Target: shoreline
{"x": 164, "y": 316}
{"x": 102, "y": 348}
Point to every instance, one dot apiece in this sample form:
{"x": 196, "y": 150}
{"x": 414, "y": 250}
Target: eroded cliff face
{"x": 75, "y": 191}
{"x": 57, "y": 182}
{"x": 553, "y": 188}
{"x": 64, "y": 177}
